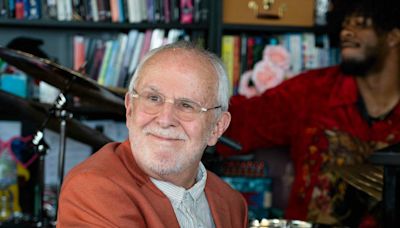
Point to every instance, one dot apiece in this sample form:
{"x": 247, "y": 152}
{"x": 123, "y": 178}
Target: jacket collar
{"x": 218, "y": 206}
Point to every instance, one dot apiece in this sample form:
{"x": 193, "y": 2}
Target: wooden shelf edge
{"x": 54, "y": 24}
{"x": 271, "y": 28}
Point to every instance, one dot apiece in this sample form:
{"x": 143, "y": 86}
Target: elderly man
{"x": 176, "y": 105}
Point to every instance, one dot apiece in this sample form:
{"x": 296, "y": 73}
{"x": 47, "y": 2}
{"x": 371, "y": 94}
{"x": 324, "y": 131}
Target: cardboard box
{"x": 276, "y": 12}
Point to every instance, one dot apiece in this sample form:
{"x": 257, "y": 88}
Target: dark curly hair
{"x": 385, "y": 14}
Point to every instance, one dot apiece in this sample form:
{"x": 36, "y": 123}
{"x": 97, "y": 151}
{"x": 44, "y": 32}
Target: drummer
{"x": 332, "y": 117}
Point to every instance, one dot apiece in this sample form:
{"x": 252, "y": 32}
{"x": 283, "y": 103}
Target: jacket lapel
{"x": 218, "y": 207}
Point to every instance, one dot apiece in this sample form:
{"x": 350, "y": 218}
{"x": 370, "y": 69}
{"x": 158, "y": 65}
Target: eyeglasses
{"x": 152, "y": 102}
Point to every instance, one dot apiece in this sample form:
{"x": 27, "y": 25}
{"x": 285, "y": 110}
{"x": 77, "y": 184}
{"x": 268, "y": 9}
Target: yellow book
{"x": 227, "y": 55}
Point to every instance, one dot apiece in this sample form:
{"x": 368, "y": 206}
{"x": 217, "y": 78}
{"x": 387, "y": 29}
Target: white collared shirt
{"x": 190, "y": 206}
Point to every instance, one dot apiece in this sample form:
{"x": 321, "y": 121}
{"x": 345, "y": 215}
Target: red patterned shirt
{"x": 317, "y": 115}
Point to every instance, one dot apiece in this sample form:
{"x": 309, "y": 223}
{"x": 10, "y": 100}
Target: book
{"x": 296, "y": 53}
{"x": 27, "y": 7}
{"x": 204, "y": 10}
{"x": 109, "y": 74}
{"x": 61, "y": 10}
{"x": 186, "y": 11}
{"x": 114, "y": 10}
{"x": 19, "y": 9}
{"x": 102, "y": 12}
{"x": 157, "y": 10}
{"x": 167, "y": 11}
{"x": 15, "y": 83}
{"x": 136, "y": 13}
{"x": 250, "y": 55}
{"x": 11, "y": 8}
{"x": 88, "y": 14}
{"x": 79, "y": 52}
{"x": 236, "y": 64}
{"x": 121, "y": 10}
{"x": 107, "y": 9}
{"x": 51, "y": 8}
{"x": 150, "y": 10}
{"x": 243, "y": 54}
{"x": 133, "y": 11}
{"x": 196, "y": 10}
{"x": 95, "y": 10}
{"x": 227, "y": 52}
{"x": 143, "y": 10}
{"x": 78, "y": 10}
{"x": 95, "y": 66}
{"x": 146, "y": 43}
{"x": 90, "y": 49}
{"x": 117, "y": 65}
{"x": 4, "y": 9}
{"x": 174, "y": 10}
{"x": 104, "y": 64}
{"x": 174, "y": 35}
{"x": 157, "y": 38}
{"x": 130, "y": 47}
{"x": 34, "y": 9}
{"x": 136, "y": 54}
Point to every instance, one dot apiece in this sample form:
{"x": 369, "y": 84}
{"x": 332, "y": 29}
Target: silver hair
{"x": 223, "y": 84}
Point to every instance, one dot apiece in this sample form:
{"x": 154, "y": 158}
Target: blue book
{"x": 15, "y": 84}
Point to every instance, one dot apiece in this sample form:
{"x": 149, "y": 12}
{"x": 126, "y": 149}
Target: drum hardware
{"x": 279, "y": 223}
{"x": 67, "y": 81}
{"x": 389, "y": 158}
{"x": 58, "y": 111}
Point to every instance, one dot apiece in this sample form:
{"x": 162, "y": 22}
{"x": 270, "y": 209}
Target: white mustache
{"x": 165, "y": 133}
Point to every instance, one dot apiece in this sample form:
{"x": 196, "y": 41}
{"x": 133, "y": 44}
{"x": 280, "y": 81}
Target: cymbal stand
{"x": 58, "y": 110}
{"x": 40, "y": 147}
{"x": 63, "y": 115}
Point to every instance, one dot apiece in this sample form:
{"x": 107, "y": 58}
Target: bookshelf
{"x": 87, "y": 25}
{"x": 57, "y": 34}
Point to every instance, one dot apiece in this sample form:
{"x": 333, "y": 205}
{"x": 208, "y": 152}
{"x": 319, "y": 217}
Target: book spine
{"x": 186, "y": 9}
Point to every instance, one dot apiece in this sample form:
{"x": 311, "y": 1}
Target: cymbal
{"x": 38, "y": 112}
{"x": 365, "y": 177}
{"x": 65, "y": 79}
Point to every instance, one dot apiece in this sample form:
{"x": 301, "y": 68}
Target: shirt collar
{"x": 176, "y": 193}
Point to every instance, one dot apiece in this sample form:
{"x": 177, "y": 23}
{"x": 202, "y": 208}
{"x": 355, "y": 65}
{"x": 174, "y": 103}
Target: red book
{"x": 19, "y": 9}
{"x": 186, "y": 7}
{"x": 250, "y": 54}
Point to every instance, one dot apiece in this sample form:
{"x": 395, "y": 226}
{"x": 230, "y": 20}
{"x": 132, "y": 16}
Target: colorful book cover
{"x": 186, "y": 8}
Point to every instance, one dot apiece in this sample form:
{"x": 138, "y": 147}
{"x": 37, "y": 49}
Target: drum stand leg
{"x": 63, "y": 115}
{"x": 40, "y": 147}
{"x": 391, "y": 198}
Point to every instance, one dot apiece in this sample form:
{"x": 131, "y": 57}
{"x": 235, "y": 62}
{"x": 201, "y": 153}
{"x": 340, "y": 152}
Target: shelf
{"x": 108, "y": 26}
{"x": 271, "y": 28}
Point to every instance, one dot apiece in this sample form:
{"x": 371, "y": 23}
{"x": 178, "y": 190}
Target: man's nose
{"x": 346, "y": 32}
{"x": 166, "y": 116}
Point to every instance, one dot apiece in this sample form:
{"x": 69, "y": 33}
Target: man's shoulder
{"x": 326, "y": 73}
{"x": 312, "y": 80}
{"x": 104, "y": 162}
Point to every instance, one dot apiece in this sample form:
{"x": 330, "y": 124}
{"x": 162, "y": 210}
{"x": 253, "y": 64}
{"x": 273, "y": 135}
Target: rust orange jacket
{"x": 110, "y": 190}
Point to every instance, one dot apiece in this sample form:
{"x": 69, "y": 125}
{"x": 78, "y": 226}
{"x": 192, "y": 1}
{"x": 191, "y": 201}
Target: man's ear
{"x": 128, "y": 104}
{"x": 219, "y": 128}
{"x": 394, "y": 37}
